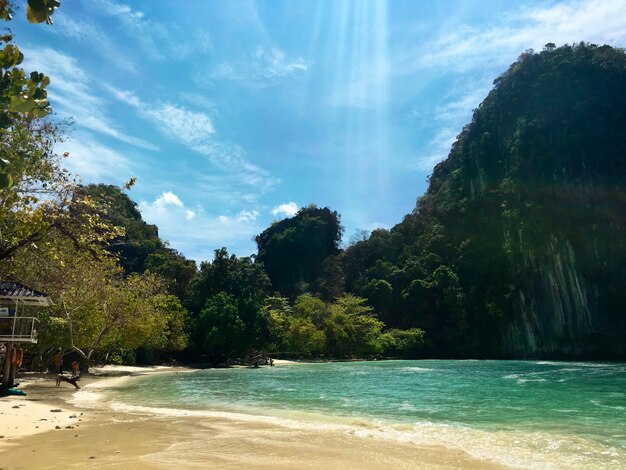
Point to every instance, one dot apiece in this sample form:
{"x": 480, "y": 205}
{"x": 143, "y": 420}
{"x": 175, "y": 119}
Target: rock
{"x": 92, "y": 457}
{"x": 69, "y": 427}
{"x": 16, "y": 406}
{"x": 56, "y": 410}
{"x": 73, "y": 416}
{"x": 57, "y": 427}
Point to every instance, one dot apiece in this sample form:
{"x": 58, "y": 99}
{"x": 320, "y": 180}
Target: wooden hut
{"x": 15, "y": 326}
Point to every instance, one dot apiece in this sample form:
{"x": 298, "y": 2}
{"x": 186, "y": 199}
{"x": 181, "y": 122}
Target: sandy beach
{"x": 34, "y": 436}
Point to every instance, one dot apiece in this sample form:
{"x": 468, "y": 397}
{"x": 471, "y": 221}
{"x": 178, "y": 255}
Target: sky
{"x": 235, "y": 114}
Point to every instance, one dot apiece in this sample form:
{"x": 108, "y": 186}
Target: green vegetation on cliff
{"x": 518, "y": 246}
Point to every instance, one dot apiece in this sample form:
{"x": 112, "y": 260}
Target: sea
{"x": 522, "y": 414}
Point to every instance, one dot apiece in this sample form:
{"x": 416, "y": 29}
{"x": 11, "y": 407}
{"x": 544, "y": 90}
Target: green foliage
{"x": 40, "y": 11}
{"x": 238, "y": 285}
{"x": 342, "y": 329}
{"x": 22, "y": 95}
{"x": 44, "y": 197}
{"x": 518, "y": 245}
{"x": 404, "y": 343}
{"x": 294, "y": 250}
{"x": 139, "y": 248}
{"x": 97, "y": 310}
{"x": 220, "y": 330}
{"x": 274, "y": 318}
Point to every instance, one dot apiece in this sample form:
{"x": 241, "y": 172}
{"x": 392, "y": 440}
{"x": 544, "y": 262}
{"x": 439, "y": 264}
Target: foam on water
{"x": 516, "y": 450}
{"x": 416, "y": 369}
{"x": 515, "y": 413}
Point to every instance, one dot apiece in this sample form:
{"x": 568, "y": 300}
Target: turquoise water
{"x": 521, "y": 413}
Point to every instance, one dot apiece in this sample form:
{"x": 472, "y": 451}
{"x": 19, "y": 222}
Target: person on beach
{"x": 74, "y": 368}
{"x": 58, "y": 361}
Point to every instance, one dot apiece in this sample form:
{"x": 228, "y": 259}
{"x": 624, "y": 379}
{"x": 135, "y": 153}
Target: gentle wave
{"x": 618, "y": 408}
{"x": 577, "y": 364}
{"x": 514, "y": 413}
{"x": 514, "y": 449}
{"x": 416, "y": 369}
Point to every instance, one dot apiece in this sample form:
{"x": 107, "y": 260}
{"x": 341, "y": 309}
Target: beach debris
{"x": 16, "y": 406}
{"x": 73, "y": 416}
{"x": 43, "y": 419}
{"x": 57, "y": 427}
{"x": 56, "y": 410}
{"x": 92, "y": 457}
{"x": 2, "y": 437}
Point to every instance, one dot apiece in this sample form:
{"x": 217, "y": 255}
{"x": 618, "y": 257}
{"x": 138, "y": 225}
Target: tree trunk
{"x": 85, "y": 360}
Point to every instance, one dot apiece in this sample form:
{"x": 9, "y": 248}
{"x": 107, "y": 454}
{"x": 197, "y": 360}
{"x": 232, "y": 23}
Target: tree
{"x": 44, "y": 196}
{"x": 97, "y": 309}
{"x": 22, "y": 95}
{"x": 240, "y": 286}
{"x": 139, "y": 247}
{"x": 219, "y": 330}
{"x": 293, "y": 250}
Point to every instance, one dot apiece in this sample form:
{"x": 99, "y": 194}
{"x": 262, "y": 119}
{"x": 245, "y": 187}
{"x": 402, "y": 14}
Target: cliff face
{"x": 518, "y": 248}
{"x": 536, "y": 184}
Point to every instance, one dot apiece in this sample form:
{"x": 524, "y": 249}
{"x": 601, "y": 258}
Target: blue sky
{"x": 233, "y": 114}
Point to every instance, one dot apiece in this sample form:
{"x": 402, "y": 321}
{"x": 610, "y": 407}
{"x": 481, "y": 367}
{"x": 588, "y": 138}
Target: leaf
{"x": 5, "y": 181}
{"x": 20, "y": 104}
{"x": 40, "y": 11}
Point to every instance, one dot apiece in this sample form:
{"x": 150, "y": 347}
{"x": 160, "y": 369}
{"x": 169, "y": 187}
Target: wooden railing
{"x": 18, "y": 329}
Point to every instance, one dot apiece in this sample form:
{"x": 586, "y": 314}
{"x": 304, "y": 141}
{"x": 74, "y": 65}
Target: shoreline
{"x": 141, "y": 439}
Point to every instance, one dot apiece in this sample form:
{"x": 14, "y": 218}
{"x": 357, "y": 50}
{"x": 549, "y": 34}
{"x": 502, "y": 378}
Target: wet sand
{"x": 115, "y": 440}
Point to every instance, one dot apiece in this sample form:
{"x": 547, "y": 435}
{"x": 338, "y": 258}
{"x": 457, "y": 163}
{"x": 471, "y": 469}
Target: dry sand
{"x": 36, "y": 438}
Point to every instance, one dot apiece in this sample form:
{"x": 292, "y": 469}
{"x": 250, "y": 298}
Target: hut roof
{"x": 12, "y": 292}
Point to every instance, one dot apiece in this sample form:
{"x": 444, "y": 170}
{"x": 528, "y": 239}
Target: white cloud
{"x": 437, "y": 149}
{"x": 83, "y": 29}
{"x": 168, "y": 198}
{"x": 73, "y": 93}
{"x": 264, "y": 67}
{"x": 95, "y": 162}
{"x": 166, "y": 205}
{"x": 157, "y": 40}
{"x": 191, "y": 128}
{"x": 195, "y": 130}
{"x": 273, "y": 63}
{"x": 243, "y": 216}
{"x": 124, "y": 12}
{"x": 288, "y": 209}
{"x": 462, "y": 102}
{"x": 600, "y": 21}
{"x": 198, "y": 235}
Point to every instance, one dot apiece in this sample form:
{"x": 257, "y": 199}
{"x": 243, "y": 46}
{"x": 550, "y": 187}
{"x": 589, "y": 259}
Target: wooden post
{"x": 14, "y": 367}
{"x": 6, "y": 371}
